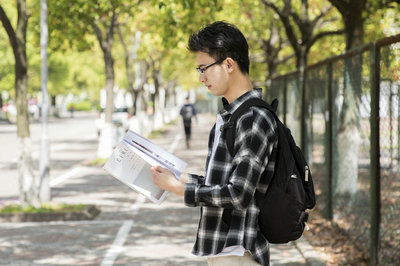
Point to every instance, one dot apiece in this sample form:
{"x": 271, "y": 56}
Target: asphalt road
{"x": 130, "y": 230}
{"x": 72, "y": 140}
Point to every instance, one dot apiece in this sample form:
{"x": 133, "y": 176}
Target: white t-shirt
{"x": 232, "y": 250}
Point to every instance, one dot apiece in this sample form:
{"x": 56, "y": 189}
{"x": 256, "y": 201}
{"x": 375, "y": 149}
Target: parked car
{"x": 120, "y": 118}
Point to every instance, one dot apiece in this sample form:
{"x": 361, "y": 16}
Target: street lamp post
{"x": 44, "y": 162}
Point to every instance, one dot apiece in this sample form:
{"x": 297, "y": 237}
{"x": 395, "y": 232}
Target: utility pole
{"x": 44, "y": 161}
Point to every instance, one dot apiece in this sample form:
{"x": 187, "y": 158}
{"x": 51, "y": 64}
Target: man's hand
{"x": 166, "y": 180}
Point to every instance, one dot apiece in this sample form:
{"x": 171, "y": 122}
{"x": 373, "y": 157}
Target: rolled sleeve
{"x": 196, "y": 179}
{"x": 190, "y": 195}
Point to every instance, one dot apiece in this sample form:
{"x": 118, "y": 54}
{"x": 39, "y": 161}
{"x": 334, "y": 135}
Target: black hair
{"x": 221, "y": 40}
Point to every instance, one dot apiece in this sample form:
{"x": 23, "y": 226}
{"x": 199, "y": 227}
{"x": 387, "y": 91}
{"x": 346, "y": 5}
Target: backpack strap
{"x": 230, "y": 126}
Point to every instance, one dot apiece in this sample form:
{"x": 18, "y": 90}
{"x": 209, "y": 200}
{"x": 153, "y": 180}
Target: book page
{"x": 131, "y": 169}
{"x": 154, "y": 154}
{"x": 131, "y": 160}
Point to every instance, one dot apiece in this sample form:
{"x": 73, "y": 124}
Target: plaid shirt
{"x": 232, "y": 182}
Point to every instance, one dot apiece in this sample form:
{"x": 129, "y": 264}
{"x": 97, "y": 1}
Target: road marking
{"x": 138, "y": 202}
{"x": 175, "y": 143}
{"x": 63, "y": 177}
{"x": 118, "y": 244}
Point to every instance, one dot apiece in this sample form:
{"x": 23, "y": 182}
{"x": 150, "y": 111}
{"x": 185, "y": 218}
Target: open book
{"x": 131, "y": 160}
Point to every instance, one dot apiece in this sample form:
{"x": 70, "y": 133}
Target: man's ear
{"x": 231, "y": 64}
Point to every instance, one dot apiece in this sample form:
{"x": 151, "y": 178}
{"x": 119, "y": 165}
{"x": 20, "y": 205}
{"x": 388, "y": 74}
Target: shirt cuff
{"x": 190, "y": 195}
{"x": 196, "y": 179}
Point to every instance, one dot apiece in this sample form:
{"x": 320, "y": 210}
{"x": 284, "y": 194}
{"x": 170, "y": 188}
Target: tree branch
{"x": 8, "y": 27}
{"x": 320, "y": 16}
{"x": 323, "y": 34}
{"x": 124, "y": 46}
{"x": 111, "y": 28}
{"x": 284, "y": 15}
{"x": 285, "y": 59}
{"x": 341, "y": 5}
{"x": 99, "y": 35}
{"x": 274, "y": 7}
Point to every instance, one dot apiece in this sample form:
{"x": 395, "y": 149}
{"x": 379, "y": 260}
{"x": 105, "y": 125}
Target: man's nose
{"x": 202, "y": 77}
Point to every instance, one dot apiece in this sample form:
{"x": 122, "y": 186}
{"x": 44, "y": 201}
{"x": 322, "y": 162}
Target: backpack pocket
{"x": 280, "y": 218}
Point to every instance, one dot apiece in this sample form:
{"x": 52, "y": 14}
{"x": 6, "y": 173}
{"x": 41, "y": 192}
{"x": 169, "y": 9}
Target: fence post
{"x": 398, "y": 128}
{"x": 329, "y": 146}
{"x": 284, "y": 100}
{"x": 375, "y": 155}
{"x": 302, "y": 86}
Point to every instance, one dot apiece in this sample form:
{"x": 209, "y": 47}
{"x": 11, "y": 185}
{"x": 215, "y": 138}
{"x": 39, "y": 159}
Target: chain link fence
{"x": 389, "y": 114}
{"x": 351, "y": 124}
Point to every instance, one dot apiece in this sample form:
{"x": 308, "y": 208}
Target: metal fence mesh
{"x": 351, "y": 149}
{"x": 316, "y": 93}
{"x": 338, "y": 141}
{"x": 389, "y": 114}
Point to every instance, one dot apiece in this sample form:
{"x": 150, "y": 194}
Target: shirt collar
{"x": 229, "y": 109}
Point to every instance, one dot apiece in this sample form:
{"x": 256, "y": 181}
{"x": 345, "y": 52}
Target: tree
{"x": 105, "y": 38}
{"x": 6, "y": 69}
{"x": 17, "y": 37}
{"x": 101, "y": 18}
{"x": 354, "y": 14}
{"x": 164, "y": 38}
{"x": 268, "y": 46}
{"x": 135, "y": 68}
{"x": 303, "y": 26}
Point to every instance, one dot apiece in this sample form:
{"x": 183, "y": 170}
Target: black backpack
{"x": 290, "y": 192}
{"x": 187, "y": 112}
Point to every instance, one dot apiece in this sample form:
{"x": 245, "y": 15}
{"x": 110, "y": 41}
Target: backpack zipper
{"x": 306, "y": 227}
{"x": 306, "y": 174}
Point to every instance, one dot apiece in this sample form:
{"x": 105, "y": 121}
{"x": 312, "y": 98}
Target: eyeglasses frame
{"x": 202, "y": 69}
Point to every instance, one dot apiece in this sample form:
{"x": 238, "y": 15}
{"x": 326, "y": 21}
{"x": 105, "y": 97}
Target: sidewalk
{"x": 130, "y": 230}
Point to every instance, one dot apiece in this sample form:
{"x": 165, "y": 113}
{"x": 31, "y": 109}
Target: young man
{"x": 187, "y": 112}
{"x": 228, "y": 231}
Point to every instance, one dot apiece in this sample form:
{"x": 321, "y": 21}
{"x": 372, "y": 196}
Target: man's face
{"x": 215, "y": 77}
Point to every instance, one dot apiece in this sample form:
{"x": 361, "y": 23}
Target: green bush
{"x": 45, "y": 208}
{"x": 80, "y": 106}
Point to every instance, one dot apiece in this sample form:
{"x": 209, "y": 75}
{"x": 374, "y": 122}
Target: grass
{"x": 97, "y": 162}
{"x": 159, "y": 132}
{"x": 45, "y": 208}
{"x": 156, "y": 133}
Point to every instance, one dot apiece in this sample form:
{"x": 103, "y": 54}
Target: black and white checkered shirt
{"x": 232, "y": 182}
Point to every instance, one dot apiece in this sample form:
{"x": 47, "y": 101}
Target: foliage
{"x": 81, "y": 106}
{"x": 97, "y": 162}
{"x": 75, "y": 59}
{"x": 156, "y": 133}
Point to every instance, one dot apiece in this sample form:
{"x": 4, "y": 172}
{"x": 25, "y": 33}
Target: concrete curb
{"x": 308, "y": 252}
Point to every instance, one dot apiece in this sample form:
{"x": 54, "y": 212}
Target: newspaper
{"x": 131, "y": 160}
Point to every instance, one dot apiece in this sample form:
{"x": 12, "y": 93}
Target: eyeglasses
{"x": 202, "y": 69}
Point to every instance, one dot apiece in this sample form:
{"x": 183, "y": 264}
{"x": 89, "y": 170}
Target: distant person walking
{"x": 72, "y": 110}
{"x": 187, "y": 112}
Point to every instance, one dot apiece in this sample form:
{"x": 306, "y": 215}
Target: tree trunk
{"x": 348, "y": 135}
{"x": 142, "y": 67}
{"x": 155, "y": 75}
{"x": 106, "y": 140}
{"x": 53, "y": 106}
{"x": 129, "y": 69}
{"x": 27, "y": 183}
{"x": 134, "y": 95}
